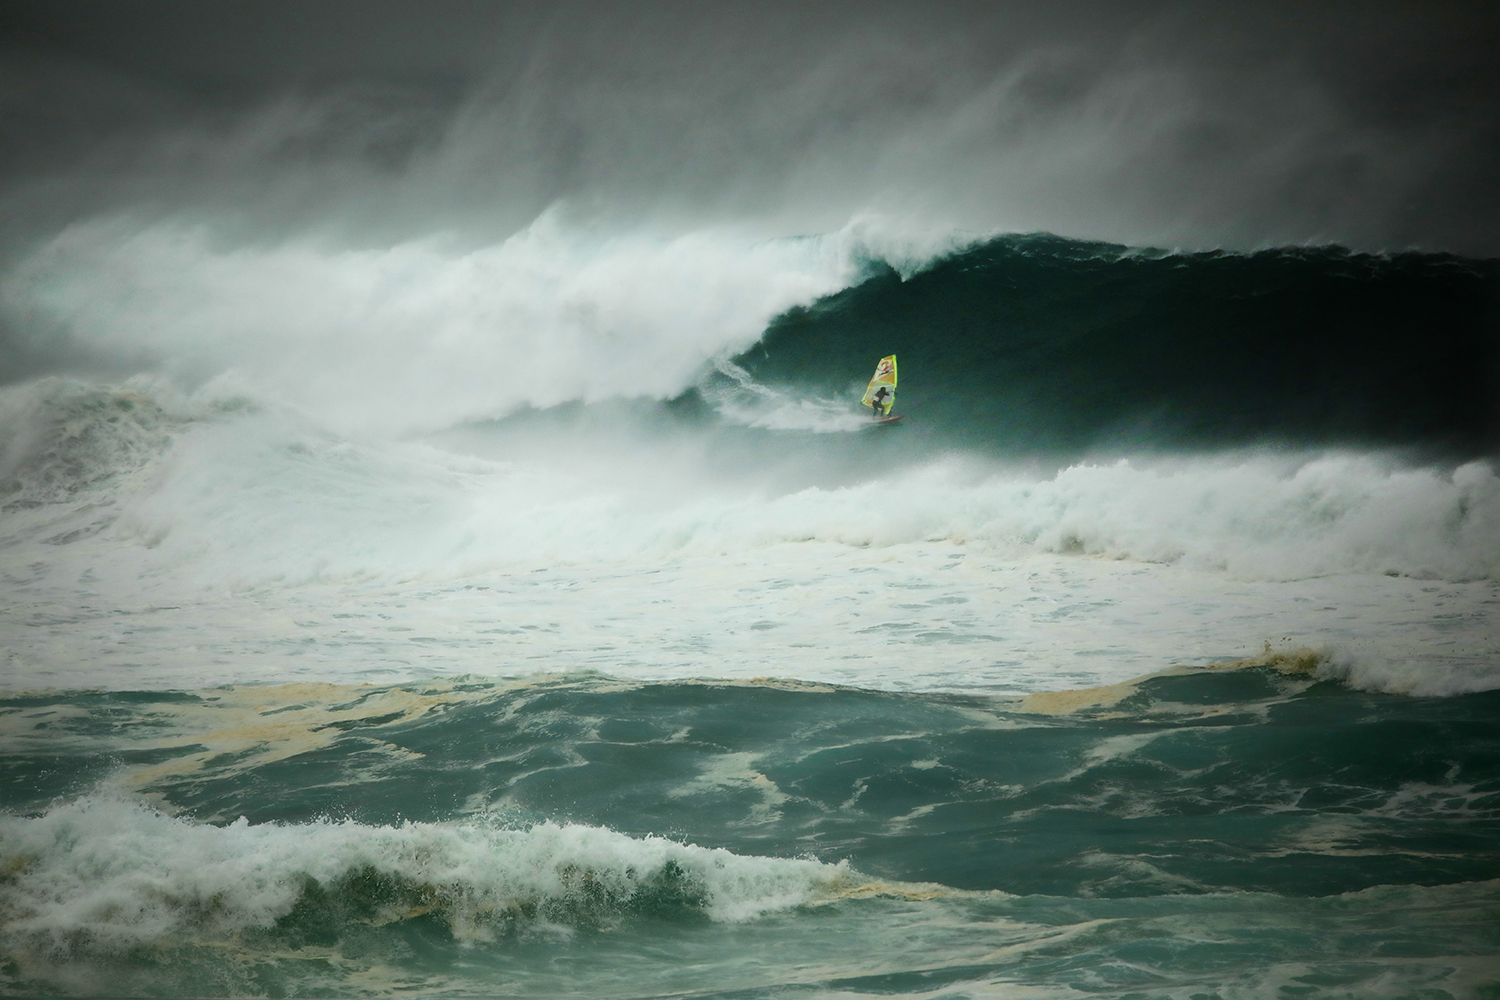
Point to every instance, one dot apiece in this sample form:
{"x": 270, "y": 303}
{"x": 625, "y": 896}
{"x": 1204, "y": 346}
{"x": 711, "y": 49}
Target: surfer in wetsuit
{"x": 877, "y": 402}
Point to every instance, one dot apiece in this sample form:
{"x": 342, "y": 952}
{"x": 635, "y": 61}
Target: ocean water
{"x": 547, "y": 620}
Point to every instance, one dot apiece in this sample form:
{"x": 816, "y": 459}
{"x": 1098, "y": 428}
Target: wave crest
{"x": 105, "y": 874}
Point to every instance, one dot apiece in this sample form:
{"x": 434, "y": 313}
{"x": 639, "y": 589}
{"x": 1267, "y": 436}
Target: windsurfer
{"x": 880, "y": 394}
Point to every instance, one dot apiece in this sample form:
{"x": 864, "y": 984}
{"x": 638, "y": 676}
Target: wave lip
{"x": 422, "y": 334}
{"x": 1040, "y": 345}
{"x": 104, "y": 874}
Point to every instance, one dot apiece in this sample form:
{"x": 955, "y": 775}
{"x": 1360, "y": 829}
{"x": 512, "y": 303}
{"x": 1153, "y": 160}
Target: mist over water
{"x": 423, "y": 335}
{"x": 1140, "y": 123}
{"x": 442, "y": 552}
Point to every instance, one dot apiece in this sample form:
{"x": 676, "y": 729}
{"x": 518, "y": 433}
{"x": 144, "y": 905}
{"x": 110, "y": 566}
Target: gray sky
{"x": 1372, "y": 124}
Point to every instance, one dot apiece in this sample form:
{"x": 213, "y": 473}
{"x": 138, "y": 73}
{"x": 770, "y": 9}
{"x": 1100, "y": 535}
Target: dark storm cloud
{"x": 1371, "y": 124}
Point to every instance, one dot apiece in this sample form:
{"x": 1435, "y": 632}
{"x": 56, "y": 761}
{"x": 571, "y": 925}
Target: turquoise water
{"x": 1152, "y": 656}
{"x": 1228, "y": 832}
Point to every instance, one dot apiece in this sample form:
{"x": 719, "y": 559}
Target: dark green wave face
{"x": 1207, "y": 832}
{"x": 1038, "y": 344}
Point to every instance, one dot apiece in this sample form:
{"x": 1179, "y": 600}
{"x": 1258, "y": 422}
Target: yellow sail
{"x": 885, "y": 377}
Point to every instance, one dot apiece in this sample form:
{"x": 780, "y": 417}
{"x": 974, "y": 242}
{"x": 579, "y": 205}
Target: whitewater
{"x": 544, "y": 619}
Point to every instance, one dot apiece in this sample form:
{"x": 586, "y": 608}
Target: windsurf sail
{"x": 881, "y": 392}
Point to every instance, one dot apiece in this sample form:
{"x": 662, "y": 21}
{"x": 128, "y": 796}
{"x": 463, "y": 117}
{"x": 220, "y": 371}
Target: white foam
{"x": 1267, "y": 516}
{"x": 298, "y": 506}
{"x": 423, "y": 334}
{"x": 116, "y": 873}
{"x": 1370, "y": 668}
{"x": 253, "y": 545}
{"x": 750, "y": 404}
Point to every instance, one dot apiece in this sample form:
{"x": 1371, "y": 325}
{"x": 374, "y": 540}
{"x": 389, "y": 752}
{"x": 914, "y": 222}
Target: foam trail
{"x": 744, "y": 401}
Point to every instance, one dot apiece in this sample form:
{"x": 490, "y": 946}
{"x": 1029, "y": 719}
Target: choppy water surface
{"x": 1233, "y": 829}
{"x": 1100, "y": 676}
